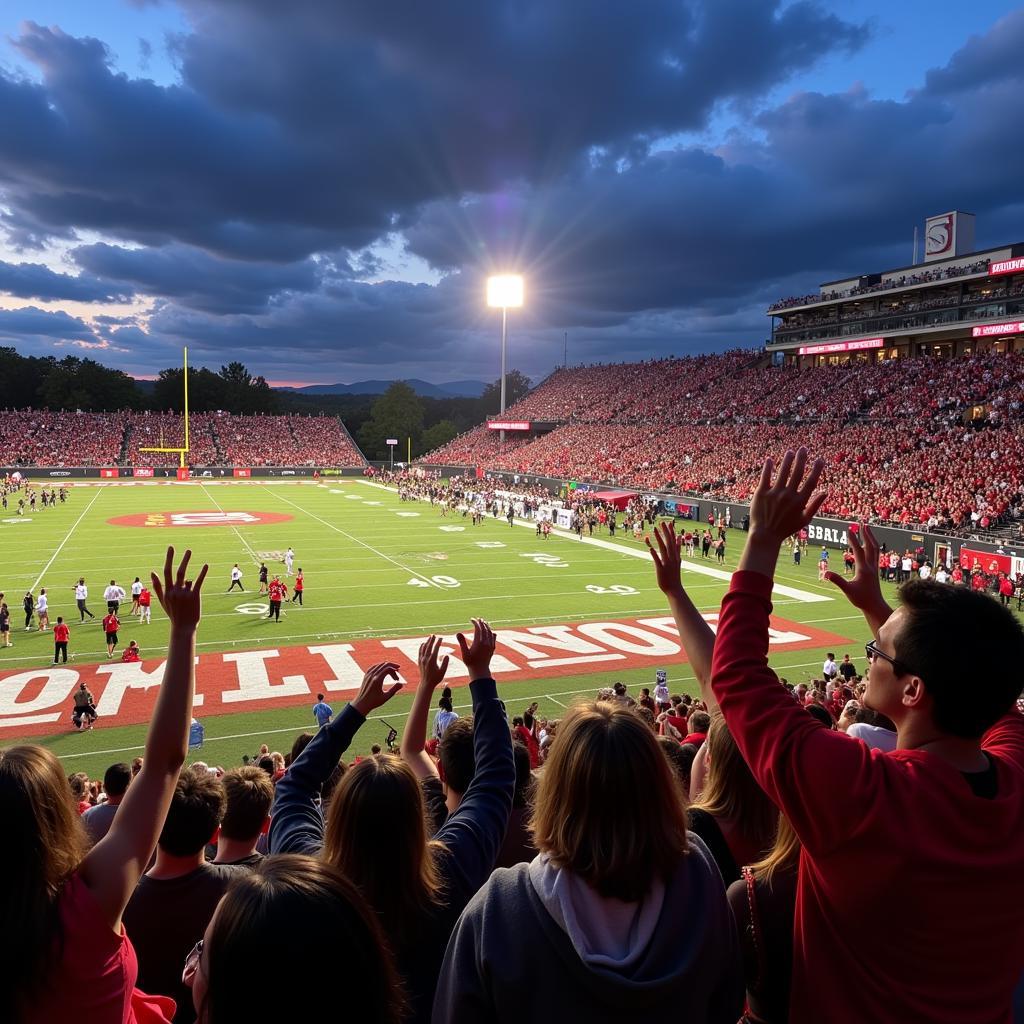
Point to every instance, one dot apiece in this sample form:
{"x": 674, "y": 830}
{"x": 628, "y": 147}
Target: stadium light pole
{"x": 504, "y": 292}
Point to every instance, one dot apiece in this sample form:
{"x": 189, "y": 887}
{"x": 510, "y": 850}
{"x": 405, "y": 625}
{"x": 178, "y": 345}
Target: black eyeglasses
{"x": 872, "y": 652}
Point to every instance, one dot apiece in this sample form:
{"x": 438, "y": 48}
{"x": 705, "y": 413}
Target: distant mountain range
{"x": 450, "y": 389}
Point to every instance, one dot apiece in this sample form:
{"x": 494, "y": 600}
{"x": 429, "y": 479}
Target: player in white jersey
{"x": 289, "y": 561}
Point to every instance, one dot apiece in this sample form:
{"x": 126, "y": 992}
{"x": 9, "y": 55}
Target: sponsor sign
{"x": 201, "y": 519}
{"x": 1006, "y": 267}
{"x": 39, "y": 701}
{"x": 988, "y": 330}
{"x": 841, "y": 346}
{"x": 508, "y": 425}
{"x": 241, "y": 472}
{"x": 392, "y": 440}
{"x": 183, "y": 473}
{"x": 111, "y": 474}
{"x": 59, "y": 472}
{"x": 143, "y": 471}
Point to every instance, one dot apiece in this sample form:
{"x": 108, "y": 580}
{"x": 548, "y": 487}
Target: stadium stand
{"x": 899, "y": 437}
{"x": 47, "y": 439}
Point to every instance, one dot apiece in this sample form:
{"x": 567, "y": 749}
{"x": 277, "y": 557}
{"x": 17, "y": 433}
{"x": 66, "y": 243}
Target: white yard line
{"x": 67, "y": 537}
{"x": 245, "y": 543}
{"x": 369, "y": 547}
{"x": 704, "y": 570}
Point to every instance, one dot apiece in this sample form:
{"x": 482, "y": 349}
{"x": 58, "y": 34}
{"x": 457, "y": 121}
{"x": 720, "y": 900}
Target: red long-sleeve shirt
{"x": 910, "y": 900}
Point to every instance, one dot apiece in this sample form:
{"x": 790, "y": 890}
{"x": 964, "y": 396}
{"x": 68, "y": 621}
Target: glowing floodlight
{"x": 505, "y": 291}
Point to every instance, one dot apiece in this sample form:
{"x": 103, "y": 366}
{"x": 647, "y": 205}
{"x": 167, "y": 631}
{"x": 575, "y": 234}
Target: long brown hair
{"x": 44, "y": 842}
{"x": 731, "y": 792}
{"x": 783, "y": 856}
{"x": 321, "y": 915}
{"x": 597, "y": 812}
{"x": 377, "y": 836}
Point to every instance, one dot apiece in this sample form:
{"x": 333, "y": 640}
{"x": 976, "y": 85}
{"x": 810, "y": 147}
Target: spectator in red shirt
{"x": 131, "y": 652}
{"x": 699, "y": 723}
{"x": 931, "y": 831}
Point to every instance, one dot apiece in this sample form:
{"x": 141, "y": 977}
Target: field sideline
{"x": 380, "y": 574}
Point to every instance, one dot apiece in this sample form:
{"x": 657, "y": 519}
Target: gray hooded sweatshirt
{"x": 538, "y": 940}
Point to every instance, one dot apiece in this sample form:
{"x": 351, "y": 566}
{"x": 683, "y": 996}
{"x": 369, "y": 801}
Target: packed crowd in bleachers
{"x": 844, "y": 849}
{"x": 48, "y": 439}
{"x": 37, "y": 437}
{"x": 896, "y": 436}
{"x": 900, "y": 281}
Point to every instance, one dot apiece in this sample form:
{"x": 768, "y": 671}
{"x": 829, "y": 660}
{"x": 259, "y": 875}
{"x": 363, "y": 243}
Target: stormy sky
{"x": 321, "y": 188}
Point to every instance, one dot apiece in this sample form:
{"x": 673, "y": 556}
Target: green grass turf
{"x": 360, "y": 547}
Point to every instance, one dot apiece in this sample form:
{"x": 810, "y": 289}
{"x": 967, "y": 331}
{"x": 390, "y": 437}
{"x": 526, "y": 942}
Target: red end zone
{"x": 205, "y": 518}
{"x": 39, "y": 701}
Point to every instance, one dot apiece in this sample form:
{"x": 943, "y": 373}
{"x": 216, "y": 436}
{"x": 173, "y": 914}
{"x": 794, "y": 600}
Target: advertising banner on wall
{"x": 142, "y": 471}
{"x": 110, "y": 474}
{"x": 241, "y": 472}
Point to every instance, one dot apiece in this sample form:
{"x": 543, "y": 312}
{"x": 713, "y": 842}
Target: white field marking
{"x": 369, "y": 547}
{"x": 718, "y": 574}
{"x": 245, "y": 543}
{"x": 373, "y": 718}
{"x": 67, "y": 536}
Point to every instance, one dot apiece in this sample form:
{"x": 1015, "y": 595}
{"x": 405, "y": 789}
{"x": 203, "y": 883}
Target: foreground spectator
{"x": 622, "y": 916}
{"x": 305, "y": 913}
{"x": 376, "y": 830}
{"x": 176, "y": 897}
{"x": 930, "y": 832}
{"x": 64, "y": 951}
{"x": 249, "y": 795}
{"x": 98, "y": 819}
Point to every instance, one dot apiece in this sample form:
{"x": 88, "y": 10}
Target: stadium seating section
{"x": 899, "y": 436}
{"x": 40, "y": 438}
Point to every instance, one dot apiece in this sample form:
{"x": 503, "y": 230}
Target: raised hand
{"x": 372, "y": 693}
{"x": 667, "y": 558}
{"x": 864, "y": 591}
{"x": 784, "y": 507}
{"x": 178, "y": 596}
{"x": 431, "y": 673}
{"x": 477, "y": 657}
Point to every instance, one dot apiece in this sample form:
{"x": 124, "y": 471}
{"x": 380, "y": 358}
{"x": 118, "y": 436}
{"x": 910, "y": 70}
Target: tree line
{"x": 73, "y": 383}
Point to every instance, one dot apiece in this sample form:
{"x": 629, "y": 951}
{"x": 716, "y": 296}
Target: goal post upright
{"x": 183, "y": 451}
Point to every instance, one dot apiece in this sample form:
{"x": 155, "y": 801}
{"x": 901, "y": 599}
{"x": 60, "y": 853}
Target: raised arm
{"x": 474, "y": 833}
{"x": 296, "y": 821}
{"x": 794, "y": 758}
{"x": 415, "y": 733}
{"x": 864, "y": 591}
{"x": 113, "y": 866}
{"x": 697, "y": 636}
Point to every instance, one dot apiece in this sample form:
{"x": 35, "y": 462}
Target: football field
{"x": 380, "y": 574}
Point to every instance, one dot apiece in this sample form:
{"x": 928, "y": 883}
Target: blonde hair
{"x": 783, "y": 856}
{"x": 596, "y": 813}
{"x": 731, "y": 792}
{"x": 377, "y": 836}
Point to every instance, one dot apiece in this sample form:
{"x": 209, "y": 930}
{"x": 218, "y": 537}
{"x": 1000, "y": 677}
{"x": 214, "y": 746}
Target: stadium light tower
{"x": 504, "y": 292}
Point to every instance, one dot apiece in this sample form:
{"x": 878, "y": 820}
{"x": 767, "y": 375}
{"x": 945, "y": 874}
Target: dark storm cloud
{"x": 325, "y": 128}
{"x": 35, "y": 281}
{"x": 194, "y": 278}
{"x": 35, "y": 324}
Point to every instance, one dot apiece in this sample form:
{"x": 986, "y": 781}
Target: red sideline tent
{"x": 620, "y": 499}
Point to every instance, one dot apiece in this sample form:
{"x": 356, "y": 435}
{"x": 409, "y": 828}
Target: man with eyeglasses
{"x": 931, "y": 834}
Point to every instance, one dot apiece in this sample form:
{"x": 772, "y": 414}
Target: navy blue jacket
{"x": 472, "y": 835}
